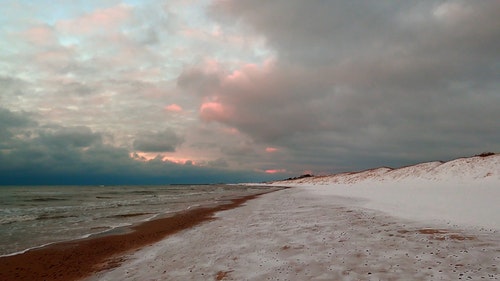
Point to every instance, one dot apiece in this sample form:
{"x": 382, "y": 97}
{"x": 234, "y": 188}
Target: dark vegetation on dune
{"x": 300, "y": 177}
{"x": 486, "y": 154}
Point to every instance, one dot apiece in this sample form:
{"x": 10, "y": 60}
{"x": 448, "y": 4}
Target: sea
{"x": 36, "y": 216}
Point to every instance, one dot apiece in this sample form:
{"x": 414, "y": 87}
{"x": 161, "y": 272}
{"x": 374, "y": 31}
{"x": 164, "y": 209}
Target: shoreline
{"x": 78, "y": 259}
{"x": 302, "y": 234}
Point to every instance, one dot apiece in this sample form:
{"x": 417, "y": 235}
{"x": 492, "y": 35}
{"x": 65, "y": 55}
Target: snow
{"x": 462, "y": 192}
{"x": 432, "y": 221}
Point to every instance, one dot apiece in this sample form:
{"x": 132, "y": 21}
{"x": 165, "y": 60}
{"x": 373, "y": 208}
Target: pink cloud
{"x": 145, "y": 157}
{"x": 101, "y": 19}
{"x": 210, "y": 111}
{"x": 261, "y": 100}
{"x": 49, "y": 62}
{"x": 54, "y": 56}
{"x": 275, "y": 171}
{"x": 40, "y": 35}
{"x": 271, "y": 149}
{"x": 231, "y": 131}
{"x": 173, "y": 108}
{"x": 180, "y": 161}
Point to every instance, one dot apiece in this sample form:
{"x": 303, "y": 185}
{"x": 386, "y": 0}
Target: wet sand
{"x": 78, "y": 259}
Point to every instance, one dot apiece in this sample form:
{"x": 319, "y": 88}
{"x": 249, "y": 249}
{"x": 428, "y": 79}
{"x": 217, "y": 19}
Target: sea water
{"x": 34, "y": 216}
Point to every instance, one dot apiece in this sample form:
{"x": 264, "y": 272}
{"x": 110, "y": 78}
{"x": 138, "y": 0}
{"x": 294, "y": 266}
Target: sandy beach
{"x": 302, "y": 233}
{"x": 296, "y": 234}
{"x": 75, "y": 260}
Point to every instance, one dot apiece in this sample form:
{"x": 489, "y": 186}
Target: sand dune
{"x": 461, "y": 192}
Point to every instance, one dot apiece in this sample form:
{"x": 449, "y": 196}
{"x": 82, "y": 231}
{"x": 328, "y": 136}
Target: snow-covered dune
{"x": 462, "y": 169}
{"x": 462, "y": 192}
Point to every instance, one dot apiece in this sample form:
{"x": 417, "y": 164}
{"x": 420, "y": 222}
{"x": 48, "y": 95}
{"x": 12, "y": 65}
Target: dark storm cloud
{"x": 12, "y": 120}
{"x": 323, "y": 31}
{"x": 77, "y": 137}
{"x": 11, "y": 124}
{"x": 391, "y": 82}
{"x": 51, "y": 149}
{"x": 315, "y": 31}
{"x": 52, "y": 154}
{"x": 164, "y": 141}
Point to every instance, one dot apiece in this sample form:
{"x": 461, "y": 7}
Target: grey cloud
{"x": 12, "y": 123}
{"x": 151, "y": 23}
{"x": 219, "y": 163}
{"x": 77, "y": 155}
{"x": 76, "y": 88}
{"x": 391, "y": 82}
{"x": 239, "y": 150}
{"x": 198, "y": 80}
{"x": 351, "y": 83}
{"x": 11, "y": 85}
{"x": 47, "y": 148}
{"x": 315, "y": 32}
{"x": 9, "y": 119}
{"x": 164, "y": 141}
{"x": 77, "y": 137}
{"x": 264, "y": 108}
{"x": 331, "y": 31}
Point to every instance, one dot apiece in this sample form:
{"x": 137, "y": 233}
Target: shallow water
{"x": 39, "y": 215}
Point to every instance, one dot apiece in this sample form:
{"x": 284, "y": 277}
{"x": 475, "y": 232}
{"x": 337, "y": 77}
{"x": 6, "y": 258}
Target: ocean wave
{"x": 45, "y": 199}
{"x": 142, "y": 192}
{"x": 128, "y": 215}
{"x": 19, "y": 218}
{"x": 53, "y": 217}
{"x": 58, "y": 214}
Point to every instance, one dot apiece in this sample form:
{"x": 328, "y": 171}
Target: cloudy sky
{"x": 186, "y": 91}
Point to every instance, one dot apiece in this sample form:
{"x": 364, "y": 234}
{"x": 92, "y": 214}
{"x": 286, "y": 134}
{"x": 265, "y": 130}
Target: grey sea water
{"x": 34, "y": 216}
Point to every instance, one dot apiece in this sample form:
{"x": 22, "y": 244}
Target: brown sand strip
{"x": 80, "y": 258}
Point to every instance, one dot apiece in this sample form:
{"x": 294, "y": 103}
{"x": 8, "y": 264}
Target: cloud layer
{"x": 363, "y": 79}
{"x": 223, "y": 88}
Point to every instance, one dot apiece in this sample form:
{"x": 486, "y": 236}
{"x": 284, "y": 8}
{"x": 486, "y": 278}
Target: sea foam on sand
{"x": 425, "y": 222}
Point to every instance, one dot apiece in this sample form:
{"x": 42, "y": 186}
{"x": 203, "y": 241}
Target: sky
{"x": 209, "y": 91}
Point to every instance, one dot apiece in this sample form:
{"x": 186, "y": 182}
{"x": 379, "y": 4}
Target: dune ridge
{"x": 468, "y": 168}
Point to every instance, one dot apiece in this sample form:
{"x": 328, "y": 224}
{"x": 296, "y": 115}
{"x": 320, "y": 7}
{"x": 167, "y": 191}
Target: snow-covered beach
{"x": 433, "y": 221}
{"x": 462, "y": 192}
